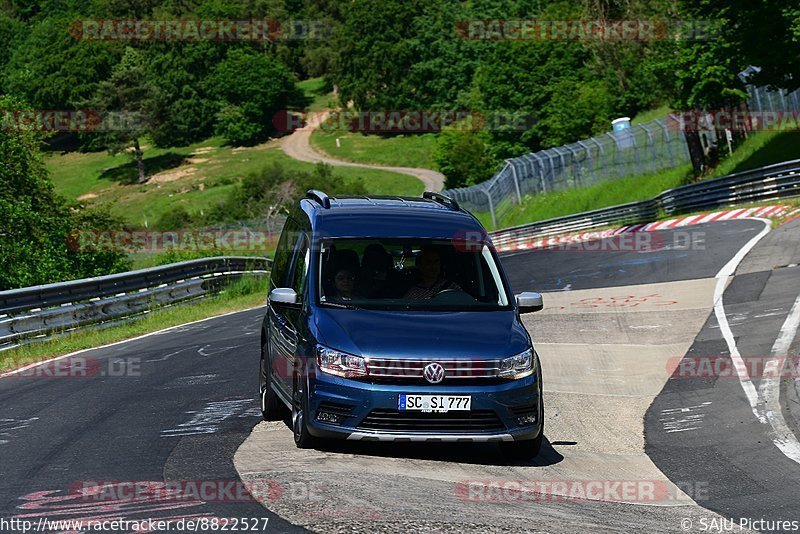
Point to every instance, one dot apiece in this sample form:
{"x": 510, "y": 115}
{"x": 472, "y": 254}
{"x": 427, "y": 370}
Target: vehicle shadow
{"x": 489, "y": 454}
{"x": 464, "y": 453}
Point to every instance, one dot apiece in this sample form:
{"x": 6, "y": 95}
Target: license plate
{"x": 435, "y": 403}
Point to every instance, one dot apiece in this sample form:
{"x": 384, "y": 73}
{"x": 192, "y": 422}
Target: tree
{"x": 10, "y": 31}
{"x": 50, "y": 69}
{"x": 35, "y": 224}
{"x": 249, "y": 87}
{"x": 744, "y": 33}
{"x": 130, "y": 99}
{"x": 185, "y": 110}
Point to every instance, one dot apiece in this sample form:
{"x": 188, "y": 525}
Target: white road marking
{"x": 719, "y": 311}
{"x": 167, "y": 356}
{"x": 8, "y": 425}
{"x": 683, "y": 419}
{"x": 210, "y": 419}
{"x": 207, "y": 350}
{"x": 765, "y": 408}
{"x": 769, "y": 389}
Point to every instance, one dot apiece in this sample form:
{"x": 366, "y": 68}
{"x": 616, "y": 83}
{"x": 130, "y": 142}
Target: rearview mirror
{"x": 529, "y": 302}
{"x": 283, "y": 295}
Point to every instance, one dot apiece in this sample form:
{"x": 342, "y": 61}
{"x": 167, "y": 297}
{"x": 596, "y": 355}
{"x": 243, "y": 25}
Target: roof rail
{"x": 441, "y": 199}
{"x": 319, "y": 196}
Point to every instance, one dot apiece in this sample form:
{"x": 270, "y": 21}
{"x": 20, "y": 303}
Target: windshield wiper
{"x": 339, "y": 305}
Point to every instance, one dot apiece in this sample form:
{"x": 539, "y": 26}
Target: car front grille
{"x": 450, "y": 422}
{"x": 410, "y": 369}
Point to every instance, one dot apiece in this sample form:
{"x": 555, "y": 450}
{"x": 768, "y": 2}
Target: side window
{"x": 284, "y": 253}
{"x": 300, "y": 269}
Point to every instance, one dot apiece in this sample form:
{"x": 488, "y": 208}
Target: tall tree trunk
{"x": 696, "y": 152}
{"x": 137, "y": 150}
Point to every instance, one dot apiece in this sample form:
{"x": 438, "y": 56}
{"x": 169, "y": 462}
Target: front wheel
{"x": 302, "y": 437}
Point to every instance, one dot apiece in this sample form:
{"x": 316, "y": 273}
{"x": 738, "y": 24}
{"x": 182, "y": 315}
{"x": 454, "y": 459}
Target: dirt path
{"x": 298, "y": 146}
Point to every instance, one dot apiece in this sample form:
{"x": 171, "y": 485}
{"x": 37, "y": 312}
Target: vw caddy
{"x": 390, "y": 319}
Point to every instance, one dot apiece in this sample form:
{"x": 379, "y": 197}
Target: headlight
{"x": 519, "y": 366}
{"x": 339, "y": 363}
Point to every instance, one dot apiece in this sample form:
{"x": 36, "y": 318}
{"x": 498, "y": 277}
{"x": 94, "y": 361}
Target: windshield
{"x": 410, "y": 274}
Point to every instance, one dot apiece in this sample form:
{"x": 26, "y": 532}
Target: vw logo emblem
{"x": 433, "y": 373}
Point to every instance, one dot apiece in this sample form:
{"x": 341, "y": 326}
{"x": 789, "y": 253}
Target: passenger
{"x": 432, "y": 283}
{"x": 343, "y": 284}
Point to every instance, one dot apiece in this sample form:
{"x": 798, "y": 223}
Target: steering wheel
{"x": 445, "y": 291}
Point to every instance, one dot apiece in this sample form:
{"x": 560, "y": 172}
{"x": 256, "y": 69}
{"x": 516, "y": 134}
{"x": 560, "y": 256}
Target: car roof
{"x": 388, "y": 216}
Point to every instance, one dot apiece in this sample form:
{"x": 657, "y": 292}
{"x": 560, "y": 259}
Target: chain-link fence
{"x": 639, "y": 150}
{"x": 761, "y": 99}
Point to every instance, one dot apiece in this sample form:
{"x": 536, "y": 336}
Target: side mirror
{"x": 529, "y": 302}
{"x": 283, "y": 295}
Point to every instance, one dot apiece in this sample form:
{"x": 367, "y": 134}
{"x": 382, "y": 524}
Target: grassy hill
{"x": 414, "y": 150}
{"x": 195, "y": 177}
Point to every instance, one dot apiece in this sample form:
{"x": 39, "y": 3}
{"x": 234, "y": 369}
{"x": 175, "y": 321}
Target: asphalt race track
{"x": 692, "y": 451}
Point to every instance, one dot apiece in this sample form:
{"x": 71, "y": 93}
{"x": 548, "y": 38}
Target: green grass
{"x": 651, "y": 115}
{"x": 316, "y": 91}
{"x": 760, "y": 149}
{"x": 415, "y": 150}
{"x": 570, "y": 201}
{"x": 204, "y": 175}
{"x": 241, "y": 295}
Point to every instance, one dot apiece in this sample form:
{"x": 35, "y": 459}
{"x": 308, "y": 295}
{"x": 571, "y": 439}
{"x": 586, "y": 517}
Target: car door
{"x": 286, "y": 319}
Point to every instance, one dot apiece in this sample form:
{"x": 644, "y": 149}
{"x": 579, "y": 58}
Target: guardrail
{"x": 39, "y": 312}
{"x": 772, "y": 182}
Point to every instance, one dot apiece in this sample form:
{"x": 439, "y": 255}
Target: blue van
{"x": 390, "y": 319}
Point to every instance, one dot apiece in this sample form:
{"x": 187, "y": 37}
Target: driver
{"x": 432, "y": 283}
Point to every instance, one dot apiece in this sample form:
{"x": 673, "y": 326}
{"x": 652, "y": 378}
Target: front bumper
{"x": 494, "y": 417}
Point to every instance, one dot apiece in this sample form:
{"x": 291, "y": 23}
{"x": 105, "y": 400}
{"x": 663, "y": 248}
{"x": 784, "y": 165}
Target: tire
{"x": 302, "y": 437}
{"x": 272, "y": 408}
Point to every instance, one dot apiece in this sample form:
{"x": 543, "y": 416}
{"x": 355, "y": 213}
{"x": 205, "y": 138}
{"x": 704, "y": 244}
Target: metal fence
{"x": 762, "y": 99}
{"x": 640, "y": 150}
{"x": 42, "y": 312}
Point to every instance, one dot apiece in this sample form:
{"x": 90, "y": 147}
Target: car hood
{"x": 422, "y": 334}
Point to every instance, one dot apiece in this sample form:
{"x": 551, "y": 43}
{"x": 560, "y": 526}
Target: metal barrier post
{"x": 516, "y": 180}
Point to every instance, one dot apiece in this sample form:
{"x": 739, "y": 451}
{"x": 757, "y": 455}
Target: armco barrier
{"x": 772, "y": 182}
{"x": 42, "y": 311}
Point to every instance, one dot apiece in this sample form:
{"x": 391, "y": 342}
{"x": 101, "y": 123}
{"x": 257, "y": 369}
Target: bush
{"x": 237, "y": 126}
{"x": 175, "y": 219}
{"x": 464, "y": 158}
